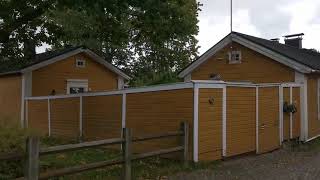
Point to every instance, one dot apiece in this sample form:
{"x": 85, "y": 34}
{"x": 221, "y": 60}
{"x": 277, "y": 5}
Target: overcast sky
{"x": 263, "y": 18}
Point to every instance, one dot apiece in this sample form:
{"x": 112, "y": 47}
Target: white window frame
{"x": 318, "y": 97}
{"x": 79, "y": 83}
{"x": 80, "y": 60}
{"x": 231, "y": 61}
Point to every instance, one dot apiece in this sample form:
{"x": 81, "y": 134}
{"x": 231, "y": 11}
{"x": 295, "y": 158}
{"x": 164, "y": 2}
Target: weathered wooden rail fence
{"x": 34, "y": 152}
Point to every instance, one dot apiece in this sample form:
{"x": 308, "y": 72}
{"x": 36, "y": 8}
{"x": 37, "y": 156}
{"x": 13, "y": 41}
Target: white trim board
{"x": 22, "y": 106}
{"x": 119, "y": 92}
{"x": 195, "y": 123}
{"x": 280, "y": 115}
{"x": 291, "y": 115}
{"x": 257, "y": 120}
{"x": 163, "y": 87}
{"x": 249, "y": 44}
{"x": 281, "y": 112}
{"x": 224, "y": 122}
{"x": 124, "y": 110}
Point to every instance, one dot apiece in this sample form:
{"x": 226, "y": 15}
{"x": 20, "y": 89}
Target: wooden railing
{"x": 34, "y": 152}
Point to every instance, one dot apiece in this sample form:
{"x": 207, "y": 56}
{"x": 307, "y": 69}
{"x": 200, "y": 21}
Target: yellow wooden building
{"x": 245, "y": 94}
{"x": 67, "y": 71}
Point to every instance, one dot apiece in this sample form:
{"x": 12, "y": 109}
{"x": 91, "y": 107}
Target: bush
{"x": 12, "y": 139}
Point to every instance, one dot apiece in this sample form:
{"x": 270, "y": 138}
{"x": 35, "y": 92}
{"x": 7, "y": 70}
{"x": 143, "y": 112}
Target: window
{"x": 75, "y": 86}
{"x": 234, "y": 57}
{"x": 80, "y": 63}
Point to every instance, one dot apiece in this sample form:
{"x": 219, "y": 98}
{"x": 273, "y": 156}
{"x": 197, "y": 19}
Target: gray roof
{"x": 13, "y": 66}
{"x": 306, "y": 57}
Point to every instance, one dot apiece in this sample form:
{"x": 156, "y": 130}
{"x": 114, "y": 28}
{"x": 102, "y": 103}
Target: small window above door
{"x": 75, "y": 86}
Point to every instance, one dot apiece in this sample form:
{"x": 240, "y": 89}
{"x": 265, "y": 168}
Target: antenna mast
{"x": 231, "y": 14}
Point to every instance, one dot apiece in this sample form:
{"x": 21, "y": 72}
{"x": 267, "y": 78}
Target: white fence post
{"x": 80, "y": 119}
{"x": 49, "y": 118}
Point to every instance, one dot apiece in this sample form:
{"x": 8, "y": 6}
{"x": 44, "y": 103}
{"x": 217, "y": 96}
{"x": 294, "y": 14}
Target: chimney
{"x": 275, "y": 40}
{"x": 294, "y": 40}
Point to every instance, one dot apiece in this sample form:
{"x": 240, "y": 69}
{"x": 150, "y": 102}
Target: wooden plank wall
{"x": 210, "y": 124}
{"x": 38, "y": 116}
{"x": 159, "y": 112}
{"x": 102, "y": 117}
{"x": 296, "y": 117}
{"x": 10, "y": 99}
{"x": 313, "y": 121}
{"x": 268, "y": 119}
{"x": 65, "y": 117}
{"x": 241, "y": 120}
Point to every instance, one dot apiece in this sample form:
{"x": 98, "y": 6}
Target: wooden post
{"x": 127, "y": 153}
{"x": 32, "y": 168}
{"x": 185, "y": 140}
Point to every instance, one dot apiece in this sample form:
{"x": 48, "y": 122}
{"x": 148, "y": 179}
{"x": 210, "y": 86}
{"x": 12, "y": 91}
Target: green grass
{"x": 151, "y": 168}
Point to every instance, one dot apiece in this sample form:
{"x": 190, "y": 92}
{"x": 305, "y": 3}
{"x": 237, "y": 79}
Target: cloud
{"x": 266, "y": 19}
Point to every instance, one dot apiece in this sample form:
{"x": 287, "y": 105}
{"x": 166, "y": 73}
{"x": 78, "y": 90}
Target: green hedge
{"x": 12, "y": 139}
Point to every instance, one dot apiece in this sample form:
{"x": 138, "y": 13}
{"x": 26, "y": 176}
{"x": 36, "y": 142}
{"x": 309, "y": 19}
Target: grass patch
{"x": 151, "y": 168}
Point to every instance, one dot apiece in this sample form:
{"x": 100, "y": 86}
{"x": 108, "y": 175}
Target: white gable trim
{"x": 262, "y": 50}
{"x": 90, "y": 53}
{"x": 106, "y": 64}
{"x": 225, "y": 41}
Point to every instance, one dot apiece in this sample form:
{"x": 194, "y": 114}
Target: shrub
{"x": 12, "y": 139}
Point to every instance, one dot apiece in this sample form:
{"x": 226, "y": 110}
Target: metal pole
{"x": 231, "y": 14}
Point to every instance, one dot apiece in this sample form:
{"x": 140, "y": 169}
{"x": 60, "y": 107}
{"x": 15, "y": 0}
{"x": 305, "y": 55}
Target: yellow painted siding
{"x": 102, "y": 117}
{"x": 54, "y": 76}
{"x": 313, "y": 121}
{"x": 38, "y": 116}
{"x": 268, "y": 119}
{"x": 241, "y": 120}
{"x": 255, "y": 67}
{"x": 10, "y": 98}
{"x": 296, "y": 117}
{"x": 210, "y": 124}
{"x": 159, "y": 112}
{"x": 65, "y": 117}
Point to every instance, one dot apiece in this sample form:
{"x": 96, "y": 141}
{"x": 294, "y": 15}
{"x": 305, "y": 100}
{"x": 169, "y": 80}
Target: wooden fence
{"x": 34, "y": 152}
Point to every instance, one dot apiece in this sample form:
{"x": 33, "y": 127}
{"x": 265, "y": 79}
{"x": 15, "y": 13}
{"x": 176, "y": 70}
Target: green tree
{"x": 150, "y": 39}
{"x": 22, "y": 26}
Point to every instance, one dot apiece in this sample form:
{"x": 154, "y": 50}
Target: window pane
{"x": 75, "y": 90}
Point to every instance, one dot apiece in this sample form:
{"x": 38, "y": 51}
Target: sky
{"x": 263, "y": 18}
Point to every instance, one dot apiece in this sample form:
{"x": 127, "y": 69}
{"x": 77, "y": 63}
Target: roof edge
{"x": 252, "y": 45}
{"x": 81, "y": 49}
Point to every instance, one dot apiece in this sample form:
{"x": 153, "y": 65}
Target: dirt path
{"x": 284, "y": 164}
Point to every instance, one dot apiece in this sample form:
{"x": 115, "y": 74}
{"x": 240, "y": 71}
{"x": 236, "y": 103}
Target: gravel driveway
{"x": 292, "y": 162}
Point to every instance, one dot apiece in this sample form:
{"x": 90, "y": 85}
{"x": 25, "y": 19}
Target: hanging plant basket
{"x": 289, "y": 108}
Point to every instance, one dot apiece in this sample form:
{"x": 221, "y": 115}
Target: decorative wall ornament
{"x": 211, "y": 100}
{"x": 289, "y": 108}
